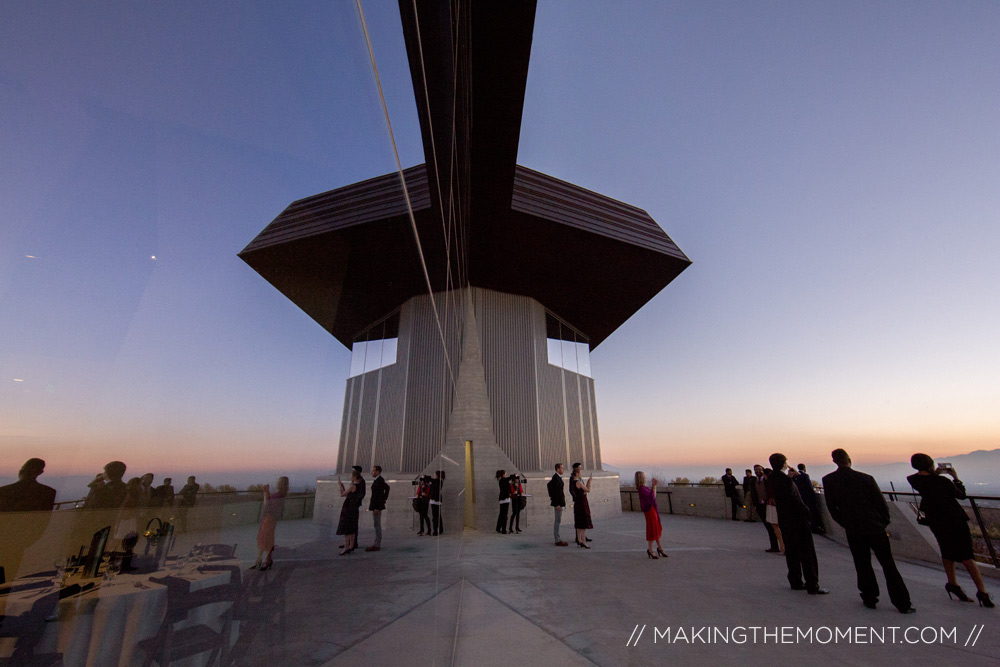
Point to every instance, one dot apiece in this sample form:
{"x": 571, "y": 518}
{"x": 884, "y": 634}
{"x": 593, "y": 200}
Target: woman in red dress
{"x": 647, "y": 503}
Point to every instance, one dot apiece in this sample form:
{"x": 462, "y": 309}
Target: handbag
{"x": 522, "y": 502}
{"x": 416, "y": 504}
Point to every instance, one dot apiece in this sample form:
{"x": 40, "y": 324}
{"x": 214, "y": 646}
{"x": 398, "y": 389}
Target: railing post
{"x": 986, "y": 535}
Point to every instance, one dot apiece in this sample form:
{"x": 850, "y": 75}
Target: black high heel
{"x": 651, "y": 556}
{"x": 660, "y": 551}
{"x": 958, "y": 592}
{"x": 984, "y": 599}
{"x": 582, "y": 545}
{"x": 266, "y": 566}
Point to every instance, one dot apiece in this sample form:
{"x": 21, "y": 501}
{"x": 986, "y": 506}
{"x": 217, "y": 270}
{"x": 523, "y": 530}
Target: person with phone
{"x": 939, "y": 498}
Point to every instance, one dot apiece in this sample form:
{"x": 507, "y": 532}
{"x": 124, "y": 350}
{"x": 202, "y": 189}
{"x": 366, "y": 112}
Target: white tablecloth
{"x": 103, "y": 626}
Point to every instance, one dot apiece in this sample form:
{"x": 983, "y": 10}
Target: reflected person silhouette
{"x": 274, "y": 507}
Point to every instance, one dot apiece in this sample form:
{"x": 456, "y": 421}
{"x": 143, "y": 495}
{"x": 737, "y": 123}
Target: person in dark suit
{"x": 856, "y": 503}
{"x": 557, "y": 498}
{"x": 731, "y": 487}
{"x": 27, "y": 494}
{"x": 376, "y": 505}
{"x": 504, "y": 486}
{"x": 748, "y": 503}
{"x": 111, "y": 494}
{"x": 793, "y": 520}
{"x": 948, "y": 521}
{"x": 808, "y": 493}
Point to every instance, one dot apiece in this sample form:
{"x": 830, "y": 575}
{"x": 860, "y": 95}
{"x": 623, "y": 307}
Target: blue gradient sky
{"x": 832, "y": 169}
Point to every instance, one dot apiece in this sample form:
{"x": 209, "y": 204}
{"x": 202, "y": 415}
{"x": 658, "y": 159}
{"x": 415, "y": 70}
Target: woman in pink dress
{"x": 647, "y": 503}
{"x": 274, "y": 505}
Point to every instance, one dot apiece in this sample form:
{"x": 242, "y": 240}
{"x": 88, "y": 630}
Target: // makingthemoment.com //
{"x": 823, "y": 634}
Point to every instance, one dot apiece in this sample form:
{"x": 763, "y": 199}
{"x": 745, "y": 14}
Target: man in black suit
{"x": 748, "y": 502}
{"x": 557, "y": 498}
{"x": 111, "y": 494}
{"x": 856, "y": 503}
{"x": 730, "y": 485}
{"x": 808, "y": 493}
{"x": 380, "y": 493}
{"x": 27, "y": 494}
{"x": 793, "y": 519}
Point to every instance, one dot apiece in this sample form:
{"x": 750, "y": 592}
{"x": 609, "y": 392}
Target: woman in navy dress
{"x": 939, "y": 498}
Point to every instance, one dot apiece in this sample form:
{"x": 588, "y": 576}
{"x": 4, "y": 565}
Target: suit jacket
{"x": 793, "y": 514}
{"x": 750, "y": 489}
{"x": 557, "y": 491}
{"x": 380, "y": 493}
{"x": 805, "y": 487}
{"x": 855, "y": 501}
{"x": 729, "y": 483}
{"x": 26, "y": 495}
{"x": 939, "y": 498}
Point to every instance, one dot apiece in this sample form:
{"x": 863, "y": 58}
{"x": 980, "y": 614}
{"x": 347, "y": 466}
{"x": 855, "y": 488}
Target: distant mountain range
{"x": 980, "y": 470}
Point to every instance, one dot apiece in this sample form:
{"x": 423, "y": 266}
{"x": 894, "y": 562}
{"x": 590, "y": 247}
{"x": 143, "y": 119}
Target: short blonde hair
{"x": 640, "y": 478}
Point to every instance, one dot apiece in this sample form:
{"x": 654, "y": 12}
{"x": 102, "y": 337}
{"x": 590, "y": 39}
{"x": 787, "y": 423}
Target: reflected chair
{"x": 179, "y": 638}
{"x": 28, "y": 629}
{"x": 260, "y": 611}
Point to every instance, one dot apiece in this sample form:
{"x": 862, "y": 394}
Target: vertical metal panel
{"x": 573, "y": 434}
{"x": 598, "y": 460}
{"x": 389, "y": 431}
{"x": 505, "y": 324}
{"x": 429, "y": 388}
{"x": 551, "y": 415}
{"x": 366, "y": 420}
{"x": 345, "y": 425}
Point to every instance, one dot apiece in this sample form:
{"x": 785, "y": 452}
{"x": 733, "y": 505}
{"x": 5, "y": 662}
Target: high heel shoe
{"x": 651, "y": 556}
{"x": 957, "y": 591}
{"x": 255, "y": 566}
{"x": 266, "y": 566}
{"x": 660, "y": 551}
{"x": 582, "y": 545}
{"x": 984, "y": 599}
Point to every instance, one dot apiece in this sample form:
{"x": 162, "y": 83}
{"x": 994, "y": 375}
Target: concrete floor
{"x": 485, "y": 599}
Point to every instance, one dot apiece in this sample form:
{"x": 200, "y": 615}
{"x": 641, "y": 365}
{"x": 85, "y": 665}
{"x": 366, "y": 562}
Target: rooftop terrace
{"x": 481, "y": 599}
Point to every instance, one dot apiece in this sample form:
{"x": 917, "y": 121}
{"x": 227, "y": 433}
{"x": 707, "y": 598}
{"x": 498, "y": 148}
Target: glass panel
{"x": 389, "y": 351}
{"x": 569, "y": 355}
{"x": 373, "y": 358}
{"x": 555, "y": 352}
{"x": 583, "y": 358}
{"x": 358, "y": 357}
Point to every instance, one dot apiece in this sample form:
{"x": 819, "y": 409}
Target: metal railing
{"x": 985, "y": 519}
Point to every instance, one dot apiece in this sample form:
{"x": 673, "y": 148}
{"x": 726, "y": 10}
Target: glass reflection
{"x": 567, "y": 348}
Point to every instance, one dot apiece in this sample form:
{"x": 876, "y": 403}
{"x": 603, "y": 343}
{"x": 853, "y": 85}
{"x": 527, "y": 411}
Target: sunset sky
{"x": 832, "y": 169}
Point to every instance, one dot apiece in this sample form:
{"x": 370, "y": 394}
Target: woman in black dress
{"x": 352, "y": 495}
{"x": 504, "y": 501}
{"x": 581, "y": 506}
{"x": 939, "y": 498}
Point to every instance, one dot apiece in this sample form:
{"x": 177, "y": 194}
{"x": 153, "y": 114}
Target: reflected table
{"x": 103, "y": 625}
